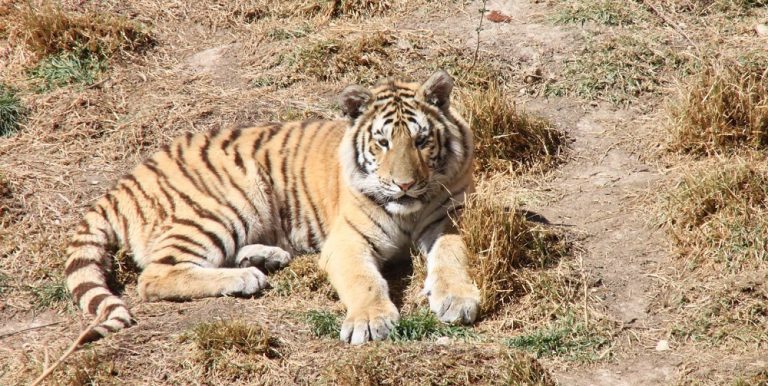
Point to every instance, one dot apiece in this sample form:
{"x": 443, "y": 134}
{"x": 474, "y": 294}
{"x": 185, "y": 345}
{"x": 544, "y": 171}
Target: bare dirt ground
{"x": 207, "y": 70}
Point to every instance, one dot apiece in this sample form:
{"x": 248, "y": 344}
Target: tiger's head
{"x": 404, "y": 142}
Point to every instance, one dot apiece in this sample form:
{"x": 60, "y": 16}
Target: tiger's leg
{"x": 349, "y": 260}
{"x": 182, "y": 268}
{"x": 262, "y": 256}
{"x": 452, "y": 295}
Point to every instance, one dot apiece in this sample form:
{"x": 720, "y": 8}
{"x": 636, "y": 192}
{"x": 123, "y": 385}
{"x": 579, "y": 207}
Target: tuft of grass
{"x": 289, "y": 33}
{"x": 501, "y": 242}
{"x": 49, "y": 30}
{"x": 565, "y": 337}
{"x": 232, "y": 350}
{"x": 435, "y": 365}
{"x": 423, "y": 325}
{"x": 91, "y": 369}
{"x": 361, "y": 60}
{"x": 618, "y": 68}
{"x": 11, "y": 111}
{"x": 606, "y": 12}
{"x": 324, "y": 324}
{"x": 717, "y": 215}
{"x": 304, "y": 277}
{"x": 49, "y": 294}
{"x": 722, "y": 107}
{"x": 507, "y": 139}
{"x": 69, "y": 67}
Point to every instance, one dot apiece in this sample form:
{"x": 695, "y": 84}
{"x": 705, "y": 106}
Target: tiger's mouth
{"x": 405, "y": 200}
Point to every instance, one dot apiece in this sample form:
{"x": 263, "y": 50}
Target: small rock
{"x": 94, "y": 182}
{"x": 522, "y": 91}
{"x": 761, "y": 29}
{"x": 662, "y": 345}
{"x": 443, "y": 341}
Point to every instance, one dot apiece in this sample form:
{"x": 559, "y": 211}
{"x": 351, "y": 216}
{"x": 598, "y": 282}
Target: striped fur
{"x": 208, "y": 214}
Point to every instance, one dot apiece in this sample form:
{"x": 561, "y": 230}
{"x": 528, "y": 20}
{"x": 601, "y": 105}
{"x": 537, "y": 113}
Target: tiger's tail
{"x": 86, "y": 273}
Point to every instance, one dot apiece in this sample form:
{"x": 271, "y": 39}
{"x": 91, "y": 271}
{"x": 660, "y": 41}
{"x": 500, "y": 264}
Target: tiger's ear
{"x": 437, "y": 90}
{"x": 353, "y": 100}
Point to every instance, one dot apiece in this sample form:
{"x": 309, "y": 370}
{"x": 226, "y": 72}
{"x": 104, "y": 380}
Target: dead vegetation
{"x": 717, "y": 215}
{"x": 507, "y": 139}
{"x": 417, "y": 365}
{"x": 231, "y": 350}
{"x": 47, "y": 29}
{"x": 304, "y": 278}
{"x": 722, "y": 108}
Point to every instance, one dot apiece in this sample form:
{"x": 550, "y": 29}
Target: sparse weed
{"x": 49, "y": 294}
{"x": 507, "y": 139}
{"x": 324, "y": 324}
{"x": 90, "y": 368}
{"x": 565, "y": 337}
{"x": 11, "y": 111}
{"x": 717, "y": 215}
{"x": 607, "y": 12}
{"x": 618, "y": 68}
{"x": 69, "y": 67}
{"x": 720, "y": 313}
{"x": 722, "y": 108}
{"x": 710, "y": 7}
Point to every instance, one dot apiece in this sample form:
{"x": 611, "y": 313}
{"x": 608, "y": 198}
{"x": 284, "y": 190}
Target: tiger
{"x": 212, "y": 213}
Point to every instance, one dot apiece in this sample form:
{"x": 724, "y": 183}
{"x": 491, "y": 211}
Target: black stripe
{"x": 233, "y": 135}
{"x": 167, "y": 260}
{"x": 108, "y": 310}
{"x": 93, "y": 305}
{"x": 90, "y": 336}
{"x": 127, "y": 190}
{"x": 367, "y": 239}
{"x": 207, "y": 161}
{"x": 131, "y": 178}
{"x": 77, "y": 264}
{"x": 186, "y": 239}
{"x": 87, "y": 243}
{"x": 187, "y": 251}
{"x": 215, "y": 239}
{"x": 82, "y": 288}
{"x": 239, "y": 159}
{"x": 152, "y": 166}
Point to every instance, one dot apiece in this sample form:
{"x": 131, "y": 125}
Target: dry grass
{"x": 606, "y": 12}
{"x": 436, "y": 365}
{"x": 48, "y": 29}
{"x": 507, "y": 139}
{"x": 708, "y": 7}
{"x": 724, "y": 106}
{"x": 501, "y": 242}
{"x": 302, "y": 277}
{"x": 717, "y": 215}
{"x": 731, "y": 312}
{"x": 232, "y": 349}
{"x": 360, "y": 60}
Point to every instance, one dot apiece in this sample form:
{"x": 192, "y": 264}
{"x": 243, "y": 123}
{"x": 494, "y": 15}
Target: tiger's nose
{"x": 405, "y": 185}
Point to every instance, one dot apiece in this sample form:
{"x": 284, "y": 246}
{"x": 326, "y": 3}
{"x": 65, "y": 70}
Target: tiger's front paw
{"x": 454, "y": 303}
{"x": 370, "y": 323}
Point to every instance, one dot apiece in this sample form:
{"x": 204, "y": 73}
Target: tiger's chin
{"x": 404, "y": 205}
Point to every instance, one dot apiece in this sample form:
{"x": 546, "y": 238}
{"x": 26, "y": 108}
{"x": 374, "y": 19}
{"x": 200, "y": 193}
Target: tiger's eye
{"x": 421, "y": 142}
{"x": 383, "y": 142}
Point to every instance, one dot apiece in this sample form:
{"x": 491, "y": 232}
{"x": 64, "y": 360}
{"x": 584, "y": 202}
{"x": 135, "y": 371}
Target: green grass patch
{"x": 11, "y": 111}
{"x": 423, "y": 325}
{"x": 566, "y": 337}
{"x": 49, "y": 294}
{"x": 69, "y": 67}
{"x": 324, "y": 324}
{"x": 606, "y": 12}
